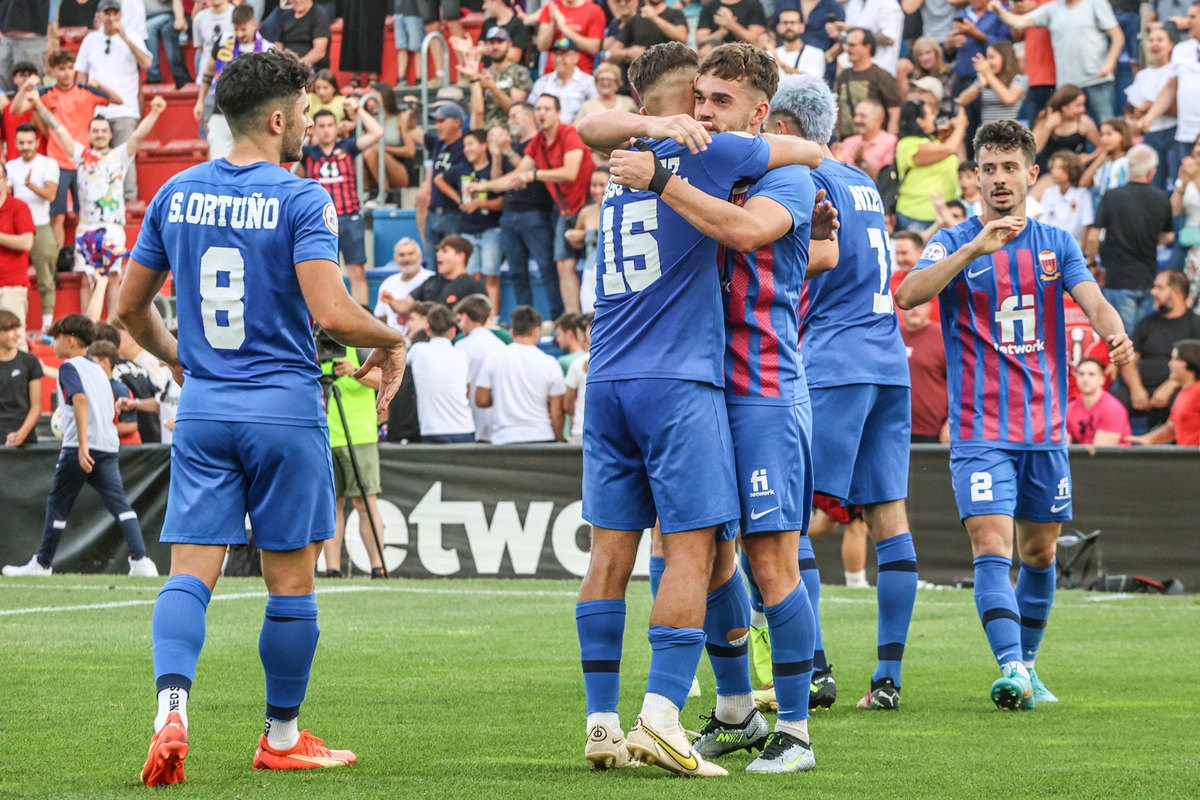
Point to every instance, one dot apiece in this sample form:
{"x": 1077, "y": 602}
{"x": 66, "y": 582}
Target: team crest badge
{"x": 1049, "y": 264}
{"x": 331, "y": 219}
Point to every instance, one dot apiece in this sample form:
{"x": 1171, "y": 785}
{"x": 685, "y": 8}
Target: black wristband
{"x": 658, "y": 183}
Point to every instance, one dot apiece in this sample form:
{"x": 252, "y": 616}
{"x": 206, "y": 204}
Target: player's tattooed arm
{"x": 609, "y": 130}
{"x": 922, "y": 285}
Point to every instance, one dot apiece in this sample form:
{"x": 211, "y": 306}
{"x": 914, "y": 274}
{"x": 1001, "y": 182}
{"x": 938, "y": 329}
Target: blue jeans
{"x": 161, "y": 25}
{"x": 1131, "y": 304}
{"x": 1100, "y": 101}
{"x": 1163, "y": 143}
{"x": 437, "y": 227}
{"x": 525, "y": 235}
{"x": 105, "y": 478}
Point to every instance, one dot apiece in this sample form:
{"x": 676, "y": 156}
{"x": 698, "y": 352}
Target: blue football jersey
{"x": 762, "y": 298}
{"x": 849, "y": 332}
{"x": 1005, "y": 335}
{"x": 658, "y": 292}
{"x": 231, "y": 237}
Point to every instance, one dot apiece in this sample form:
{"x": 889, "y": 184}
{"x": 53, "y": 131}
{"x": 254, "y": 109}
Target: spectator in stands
{"x": 165, "y": 20}
{"x": 211, "y": 25}
{"x": 23, "y": 28}
{"x": 20, "y": 384}
{"x": 927, "y": 369}
{"x": 1148, "y": 380}
{"x": 975, "y": 29}
{"x": 1038, "y": 61}
{"x": 326, "y": 96}
{"x": 576, "y": 383}
{"x": 1136, "y": 219}
{"x": 584, "y": 235}
{"x": 968, "y": 184}
{"x": 1095, "y": 417}
{"x": 1000, "y": 85}
{"x": 408, "y": 32}
{"x": 653, "y": 23}
{"x": 331, "y": 162}
{"x": 1182, "y": 90}
{"x": 524, "y": 385}
{"x": 500, "y": 13}
{"x": 1183, "y": 425}
{"x": 403, "y": 426}
{"x": 1147, "y": 83}
{"x": 440, "y": 371}
{"x": 1087, "y": 45}
{"x": 864, "y": 81}
{"x": 608, "y": 80}
{"x": 1185, "y": 201}
{"x": 496, "y": 83}
{"x": 75, "y": 105}
{"x": 33, "y": 179}
{"x": 17, "y": 231}
{"x": 399, "y": 141}
{"x": 570, "y": 334}
{"x": 100, "y": 234}
{"x": 452, "y": 282}
{"x": 244, "y": 38}
{"x": 406, "y": 256}
{"x": 736, "y": 21}
{"x": 794, "y": 55}
{"x": 89, "y": 452}
{"x": 527, "y": 225}
{"x": 1064, "y": 125}
{"x": 305, "y": 31}
{"x": 1109, "y": 167}
{"x": 620, "y": 12}
{"x": 560, "y": 159}
{"x": 871, "y": 148}
{"x": 445, "y": 17}
{"x": 937, "y": 20}
{"x": 479, "y": 343}
{"x": 125, "y": 417}
{"x": 356, "y": 431}
{"x": 567, "y": 82}
{"x": 119, "y": 55}
{"x": 142, "y": 380}
{"x": 18, "y": 109}
{"x": 444, "y": 146}
{"x": 481, "y": 211}
{"x": 925, "y": 165}
{"x": 581, "y": 21}
{"x": 1065, "y": 204}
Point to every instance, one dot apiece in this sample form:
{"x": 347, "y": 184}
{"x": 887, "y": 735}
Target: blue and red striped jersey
{"x": 335, "y": 171}
{"x": 762, "y": 294}
{"x": 1004, "y": 327}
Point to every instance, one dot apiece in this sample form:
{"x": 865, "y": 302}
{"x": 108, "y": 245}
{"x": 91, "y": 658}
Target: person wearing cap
{"x": 581, "y": 21}
{"x": 864, "y": 80}
{"x": 500, "y": 13}
{"x": 444, "y": 145}
{"x": 570, "y": 84}
{"x": 24, "y": 26}
{"x": 496, "y": 82}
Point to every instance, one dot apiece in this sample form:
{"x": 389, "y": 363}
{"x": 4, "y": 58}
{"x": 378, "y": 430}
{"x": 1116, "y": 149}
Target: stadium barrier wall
{"x": 468, "y": 511}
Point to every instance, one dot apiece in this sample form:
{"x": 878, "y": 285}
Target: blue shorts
{"x": 773, "y": 460}
{"x": 281, "y": 475}
{"x": 657, "y": 448}
{"x": 1034, "y": 485}
{"x": 860, "y": 442}
{"x": 407, "y": 32}
{"x": 487, "y": 257}
{"x": 352, "y": 236}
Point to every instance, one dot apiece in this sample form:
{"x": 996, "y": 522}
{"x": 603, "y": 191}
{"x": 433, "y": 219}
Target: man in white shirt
{"x": 524, "y": 385}
{"x": 793, "y": 55}
{"x": 571, "y": 85}
{"x": 406, "y": 255}
{"x": 208, "y": 27}
{"x": 33, "y": 178}
{"x": 885, "y": 19}
{"x": 439, "y": 371}
{"x": 479, "y": 344}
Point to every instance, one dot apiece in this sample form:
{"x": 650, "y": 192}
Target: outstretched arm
{"x": 922, "y": 285}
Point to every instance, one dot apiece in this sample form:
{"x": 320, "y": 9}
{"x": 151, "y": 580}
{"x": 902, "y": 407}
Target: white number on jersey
{"x": 882, "y": 301}
{"x": 222, "y": 289}
{"x": 981, "y": 487}
{"x": 619, "y": 276}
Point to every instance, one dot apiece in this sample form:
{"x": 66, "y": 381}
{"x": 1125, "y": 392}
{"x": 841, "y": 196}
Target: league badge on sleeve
{"x": 934, "y": 251}
{"x": 331, "y": 219}
{"x": 1049, "y": 264}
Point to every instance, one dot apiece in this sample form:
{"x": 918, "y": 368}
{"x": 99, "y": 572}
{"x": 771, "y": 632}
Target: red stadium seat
{"x": 176, "y": 122}
{"x": 159, "y": 161}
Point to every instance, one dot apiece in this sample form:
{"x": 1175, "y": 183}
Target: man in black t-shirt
{"x": 452, "y": 282}
{"x": 500, "y": 13}
{"x": 20, "y": 385}
{"x": 736, "y": 21}
{"x": 651, "y": 24}
{"x": 1147, "y": 388}
{"x": 305, "y": 31}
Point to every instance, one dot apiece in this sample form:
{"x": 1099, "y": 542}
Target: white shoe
{"x": 607, "y": 750}
{"x": 670, "y": 750}
{"x": 143, "y": 568}
{"x": 33, "y": 568}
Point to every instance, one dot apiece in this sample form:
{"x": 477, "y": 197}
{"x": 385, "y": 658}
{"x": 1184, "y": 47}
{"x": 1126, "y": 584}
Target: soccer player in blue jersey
{"x": 656, "y": 439}
{"x": 253, "y": 252}
{"x": 1000, "y": 279}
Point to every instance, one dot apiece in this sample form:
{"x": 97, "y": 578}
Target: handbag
{"x": 1189, "y": 236}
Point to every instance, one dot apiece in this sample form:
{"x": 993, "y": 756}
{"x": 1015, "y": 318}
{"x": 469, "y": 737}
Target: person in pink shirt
{"x": 1096, "y": 417}
{"x": 871, "y": 148}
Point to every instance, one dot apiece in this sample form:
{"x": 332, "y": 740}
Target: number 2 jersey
{"x": 658, "y": 292}
{"x": 231, "y": 237}
{"x": 1004, "y": 328}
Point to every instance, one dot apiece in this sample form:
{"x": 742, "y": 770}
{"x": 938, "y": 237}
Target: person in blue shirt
{"x": 253, "y": 254}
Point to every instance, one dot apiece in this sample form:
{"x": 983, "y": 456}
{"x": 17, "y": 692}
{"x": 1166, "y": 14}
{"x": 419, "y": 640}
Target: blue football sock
{"x": 601, "y": 628}
{"x": 657, "y": 565}
{"x": 286, "y": 647}
{"x": 810, "y": 576}
{"x": 793, "y": 633}
{"x": 674, "y": 656}
{"x": 756, "y": 600}
{"x": 896, "y": 590}
{"x": 1035, "y": 596}
{"x": 728, "y": 612}
{"x": 177, "y": 629}
{"x": 997, "y": 606}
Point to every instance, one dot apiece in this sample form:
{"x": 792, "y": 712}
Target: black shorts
{"x": 434, "y": 10}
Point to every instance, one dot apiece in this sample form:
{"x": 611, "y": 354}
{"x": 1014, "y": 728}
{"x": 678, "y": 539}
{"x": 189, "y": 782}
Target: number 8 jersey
{"x": 231, "y": 237}
{"x": 658, "y": 291}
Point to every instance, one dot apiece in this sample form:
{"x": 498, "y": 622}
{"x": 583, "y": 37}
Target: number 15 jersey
{"x": 231, "y": 237}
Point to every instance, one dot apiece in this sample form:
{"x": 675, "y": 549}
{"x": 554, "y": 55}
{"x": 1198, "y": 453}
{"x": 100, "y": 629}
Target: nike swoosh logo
{"x": 688, "y": 763}
{"x": 760, "y": 514}
{"x": 971, "y": 273}
{"x": 795, "y": 762}
{"x": 1054, "y": 509}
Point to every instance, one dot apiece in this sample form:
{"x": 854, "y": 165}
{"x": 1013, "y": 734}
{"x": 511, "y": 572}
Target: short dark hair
{"x": 25, "y": 67}
{"x": 970, "y": 165}
{"x": 459, "y": 243}
{"x": 741, "y": 61}
{"x": 525, "y": 320}
{"x": 76, "y": 325}
{"x": 27, "y": 127}
{"x": 106, "y": 121}
{"x": 1071, "y": 163}
{"x": 1005, "y": 136}
{"x": 106, "y": 333}
{"x": 570, "y": 321}
{"x": 477, "y": 308}
{"x": 912, "y": 236}
{"x": 1189, "y": 353}
{"x": 1092, "y": 360}
{"x": 868, "y": 39}
{"x": 1177, "y": 280}
{"x": 655, "y": 62}
{"x": 478, "y": 134}
{"x": 242, "y": 14}
{"x": 910, "y": 113}
{"x": 257, "y": 83}
{"x": 422, "y": 308}
{"x": 61, "y": 58}
{"x": 552, "y": 97}
{"x": 8, "y": 320}
{"x": 440, "y": 320}
{"x": 101, "y": 349}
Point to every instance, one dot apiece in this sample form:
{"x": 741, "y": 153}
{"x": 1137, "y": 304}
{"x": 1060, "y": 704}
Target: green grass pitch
{"x": 472, "y": 689}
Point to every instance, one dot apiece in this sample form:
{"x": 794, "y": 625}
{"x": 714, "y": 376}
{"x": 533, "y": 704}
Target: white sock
{"x": 1019, "y": 666}
{"x": 1029, "y": 665}
{"x": 857, "y": 580}
{"x": 660, "y": 713}
{"x": 733, "y": 708}
{"x": 47, "y": 321}
{"x": 171, "y": 699}
{"x": 282, "y": 734}
{"x": 757, "y": 619}
{"x": 798, "y": 728}
{"x": 609, "y": 719}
